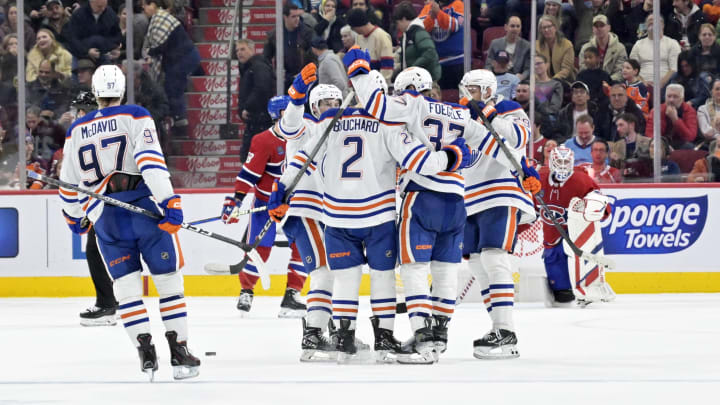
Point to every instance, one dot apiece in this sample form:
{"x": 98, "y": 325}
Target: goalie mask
{"x": 562, "y": 162}
{"x": 324, "y": 92}
{"x": 413, "y": 76}
{"x": 475, "y": 85}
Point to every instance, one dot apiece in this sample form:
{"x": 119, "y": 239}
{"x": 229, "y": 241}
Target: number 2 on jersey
{"x": 89, "y": 161}
{"x": 346, "y": 172}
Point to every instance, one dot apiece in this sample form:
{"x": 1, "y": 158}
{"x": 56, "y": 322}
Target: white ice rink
{"x": 641, "y": 349}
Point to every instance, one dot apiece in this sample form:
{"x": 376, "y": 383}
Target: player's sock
{"x": 481, "y": 277}
{"x": 417, "y": 293}
{"x": 131, "y": 308}
{"x": 173, "y": 308}
{"x": 502, "y": 287}
{"x": 346, "y": 290}
{"x": 319, "y": 298}
{"x": 444, "y": 287}
{"x": 382, "y": 297}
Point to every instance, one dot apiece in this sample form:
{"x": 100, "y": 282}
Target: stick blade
{"x": 217, "y": 268}
{"x": 33, "y": 175}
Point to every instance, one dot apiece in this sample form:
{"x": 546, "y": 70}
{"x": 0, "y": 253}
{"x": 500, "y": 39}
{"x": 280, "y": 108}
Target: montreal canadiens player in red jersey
{"x": 263, "y": 165}
{"x": 568, "y": 190}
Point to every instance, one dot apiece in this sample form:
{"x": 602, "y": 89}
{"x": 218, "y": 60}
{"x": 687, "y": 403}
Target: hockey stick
{"x": 465, "y": 290}
{"x": 133, "y": 208}
{"x": 235, "y": 214}
{"x": 601, "y": 260}
{"x": 236, "y": 268}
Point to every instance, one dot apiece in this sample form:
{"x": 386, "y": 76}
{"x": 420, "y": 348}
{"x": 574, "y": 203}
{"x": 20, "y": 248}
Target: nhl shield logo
{"x": 164, "y": 255}
{"x": 308, "y": 259}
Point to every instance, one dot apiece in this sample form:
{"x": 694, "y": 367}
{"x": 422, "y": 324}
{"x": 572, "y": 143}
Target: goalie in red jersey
{"x": 575, "y": 202}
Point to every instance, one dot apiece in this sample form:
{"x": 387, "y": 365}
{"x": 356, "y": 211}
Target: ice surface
{"x": 641, "y": 349}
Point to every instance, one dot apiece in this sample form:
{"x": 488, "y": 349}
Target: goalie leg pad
{"x": 382, "y": 297}
{"x": 173, "y": 308}
{"x": 346, "y": 292}
{"x": 502, "y": 287}
{"x": 481, "y": 277}
{"x": 319, "y": 298}
{"x": 131, "y": 308}
{"x": 417, "y": 293}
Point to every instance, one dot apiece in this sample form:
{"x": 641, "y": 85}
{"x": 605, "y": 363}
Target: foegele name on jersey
{"x": 95, "y": 127}
{"x": 444, "y": 109}
{"x": 357, "y": 124}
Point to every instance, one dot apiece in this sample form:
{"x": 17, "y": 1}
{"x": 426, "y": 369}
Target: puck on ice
{"x": 210, "y": 353}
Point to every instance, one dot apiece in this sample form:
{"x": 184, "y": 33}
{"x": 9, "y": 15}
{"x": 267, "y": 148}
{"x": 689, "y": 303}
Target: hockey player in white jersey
{"x": 496, "y": 203}
{"x": 116, "y": 151}
{"x": 358, "y": 174}
{"x": 304, "y": 219}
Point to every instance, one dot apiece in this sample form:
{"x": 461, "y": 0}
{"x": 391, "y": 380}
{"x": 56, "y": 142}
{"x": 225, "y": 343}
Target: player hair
{"x": 585, "y": 118}
{"x": 106, "y": 101}
{"x": 245, "y": 41}
{"x": 592, "y": 50}
{"x": 404, "y": 10}
{"x": 604, "y": 142}
{"x": 630, "y": 119}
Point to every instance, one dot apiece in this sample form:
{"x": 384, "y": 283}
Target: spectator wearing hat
{"x": 678, "y": 119}
{"x": 592, "y": 75}
{"x": 598, "y": 167}
{"x": 416, "y": 46}
{"x": 611, "y": 52}
{"x": 586, "y": 12}
{"x": 507, "y": 82}
{"x": 517, "y": 47}
{"x": 683, "y": 24}
{"x": 582, "y": 142}
{"x": 445, "y": 22}
{"x": 579, "y": 106}
{"x": 330, "y": 68}
{"x": 375, "y": 40}
{"x": 297, "y": 37}
{"x": 556, "y": 49}
{"x": 83, "y": 72}
{"x": 93, "y": 37}
{"x": 642, "y": 52}
{"x": 329, "y": 25}
{"x": 55, "y": 19}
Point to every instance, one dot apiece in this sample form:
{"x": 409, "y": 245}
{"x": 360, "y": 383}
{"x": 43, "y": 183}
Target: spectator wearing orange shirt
{"x": 444, "y": 21}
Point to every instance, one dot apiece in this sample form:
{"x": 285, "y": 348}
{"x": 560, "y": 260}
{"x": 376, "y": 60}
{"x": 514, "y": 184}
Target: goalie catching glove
{"x": 596, "y": 206}
{"x": 173, "y": 216}
{"x": 277, "y": 208}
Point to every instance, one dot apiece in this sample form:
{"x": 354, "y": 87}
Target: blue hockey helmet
{"x": 276, "y": 105}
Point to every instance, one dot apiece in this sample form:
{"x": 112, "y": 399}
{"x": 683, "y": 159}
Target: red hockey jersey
{"x": 263, "y": 165}
{"x": 557, "y": 198}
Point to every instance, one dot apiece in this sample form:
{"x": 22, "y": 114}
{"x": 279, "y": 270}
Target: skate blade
{"x": 150, "y": 373}
{"x": 417, "y": 358}
{"x": 243, "y": 314}
{"x": 317, "y": 356}
{"x": 184, "y": 372}
{"x": 385, "y": 357}
{"x": 501, "y": 353}
{"x": 286, "y": 313}
{"x": 109, "y": 320}
{"x": 359, "y": 357}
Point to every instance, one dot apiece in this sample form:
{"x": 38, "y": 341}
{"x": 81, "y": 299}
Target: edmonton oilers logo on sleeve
{"x": 654, "y": 225}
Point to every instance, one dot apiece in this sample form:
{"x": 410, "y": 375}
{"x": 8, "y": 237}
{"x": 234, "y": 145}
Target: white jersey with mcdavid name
{"x": 298, "y": 128}
{"x": 114, "y": 139}
{"x": 489, "y": 181}
{"x": 435, "y": 123}
{"x": 358, "y": 166}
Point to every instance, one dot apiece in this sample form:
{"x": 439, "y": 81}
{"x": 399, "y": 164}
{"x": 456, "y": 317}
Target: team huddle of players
{"x": 459, "y": 196}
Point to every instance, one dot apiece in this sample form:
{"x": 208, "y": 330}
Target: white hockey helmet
{"x": 323, "y": 92}
{"x": 379, "y": 80}
{"x": 413, "y": 76}
{"x": 562, "y": 162}
{"x": 482, "y": 78}
{"x": 108, "y": 81}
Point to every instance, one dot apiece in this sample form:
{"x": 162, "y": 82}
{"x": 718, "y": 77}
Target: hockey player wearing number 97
{"x": 115, "y": 151}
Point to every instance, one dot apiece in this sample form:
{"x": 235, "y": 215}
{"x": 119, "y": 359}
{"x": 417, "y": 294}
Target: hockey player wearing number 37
{"x": 115, "y": 151}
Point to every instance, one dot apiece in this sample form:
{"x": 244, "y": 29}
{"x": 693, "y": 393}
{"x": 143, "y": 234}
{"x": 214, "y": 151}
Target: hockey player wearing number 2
{"x": 578, "y": 205}
{"x": 262, "y": 166}
{"x": 115, "y": 151}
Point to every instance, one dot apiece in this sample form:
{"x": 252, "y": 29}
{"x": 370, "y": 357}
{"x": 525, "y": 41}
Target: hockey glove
{"x": 302, "y": 83}
{"x": 229, "y": 206}
{"x": 459, "y": 156}
{"x": 531, "y": 183}
{"x": 488, "y": 110}
{"x": 80, "y": 226}
{"x": 277, "y": 208}
{"x": 173, "y": 217}
{"x": 357, "y": 61}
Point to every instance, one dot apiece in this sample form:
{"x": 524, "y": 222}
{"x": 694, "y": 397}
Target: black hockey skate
{"x": 497, "y": 344}
{"x": 184, "y": 364}
{"x": 360, "y": 346}
{"x": 148, "y": 357}
{"x": 421, "y": 347}
{"x": 292, "y": 305}
{"x": 345, "y": 345}
{"x": 387, "y": 347}
{"x": 96, "y": 316}
{"x": 245, "y": 301}
{"x": 440, "y": 333}
{"x": 315, "y": 347}
{"x": 562, "y": 298}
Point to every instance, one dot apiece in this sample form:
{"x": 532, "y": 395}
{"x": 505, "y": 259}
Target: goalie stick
{"x": 133, "y": 208}
{"x": 601, "y": 260}
{"x": 214, "y": 268}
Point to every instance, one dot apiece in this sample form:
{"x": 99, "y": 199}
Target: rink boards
{"x": 663, "y": 239}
